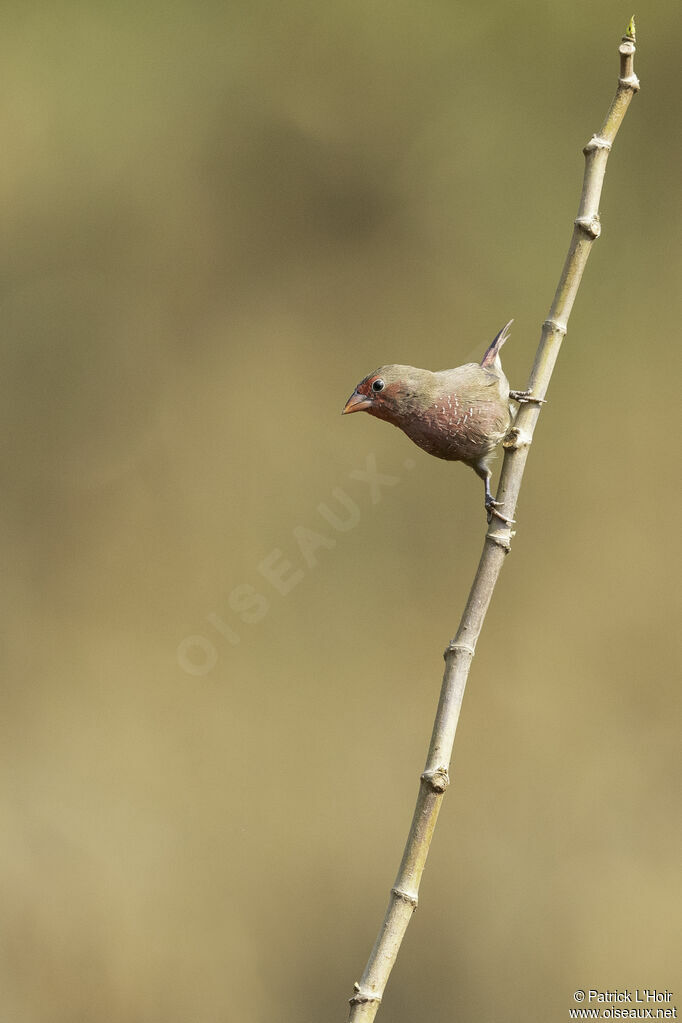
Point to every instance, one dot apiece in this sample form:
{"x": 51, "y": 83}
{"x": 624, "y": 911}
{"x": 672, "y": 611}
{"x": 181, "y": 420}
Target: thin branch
{"x": 460, "y": 651}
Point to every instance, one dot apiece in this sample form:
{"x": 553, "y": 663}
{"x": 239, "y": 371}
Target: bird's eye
{"x": 378, "y": 385}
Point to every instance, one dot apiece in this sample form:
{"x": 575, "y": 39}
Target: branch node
{"x": 630, "y": 81}
{"x": 437, "y": 780}
{"x": 591, "y": 226}
{"x": 517, "y": 438}
{"x": 362, "y": 997}
{"x": 502, "y": 540}
{"x": 453, "y": 647}
{"x": 555, "y": 327}
{"x": 404, "y": 896}
{"x": 596, "y": 142}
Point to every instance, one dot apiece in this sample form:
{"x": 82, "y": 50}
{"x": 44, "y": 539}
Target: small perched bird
{"x": 458, "y": 414}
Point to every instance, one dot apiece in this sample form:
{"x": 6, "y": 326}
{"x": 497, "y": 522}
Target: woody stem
{"x": 460, "y": 651}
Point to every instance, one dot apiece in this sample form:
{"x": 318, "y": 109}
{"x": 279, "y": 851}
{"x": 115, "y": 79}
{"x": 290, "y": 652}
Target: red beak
{"x": 356, "y": 403}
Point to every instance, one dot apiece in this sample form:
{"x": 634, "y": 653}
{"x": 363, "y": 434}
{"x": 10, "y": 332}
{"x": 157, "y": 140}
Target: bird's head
{"x": 392, "y": 392}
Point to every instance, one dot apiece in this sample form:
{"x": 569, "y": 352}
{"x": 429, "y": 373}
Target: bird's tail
{"x": 494, "y": 350}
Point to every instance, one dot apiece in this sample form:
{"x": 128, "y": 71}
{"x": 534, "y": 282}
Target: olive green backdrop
{"x": 222, "y": 649}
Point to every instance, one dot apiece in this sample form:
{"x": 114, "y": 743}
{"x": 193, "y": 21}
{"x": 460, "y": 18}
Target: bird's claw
{"x": 491, "y": 508}
{"x": 525, "y": 397}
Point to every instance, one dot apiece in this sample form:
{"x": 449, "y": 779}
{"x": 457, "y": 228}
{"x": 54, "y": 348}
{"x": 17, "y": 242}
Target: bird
{"x": 460, "y": 414}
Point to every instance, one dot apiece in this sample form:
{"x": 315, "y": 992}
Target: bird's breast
{"x": 458, "y": 429}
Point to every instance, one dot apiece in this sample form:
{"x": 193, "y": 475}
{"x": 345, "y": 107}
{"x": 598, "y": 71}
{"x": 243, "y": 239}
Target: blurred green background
{"x": 216, "y": 219}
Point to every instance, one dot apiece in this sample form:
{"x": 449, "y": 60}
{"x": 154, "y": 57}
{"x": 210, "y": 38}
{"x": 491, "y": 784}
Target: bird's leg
{"x": 491, "y": 505}
{"x": 524, "y": 397}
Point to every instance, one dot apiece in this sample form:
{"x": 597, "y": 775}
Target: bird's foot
{"x": 524, "y": 397}
{"x": 491, "y": 509}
